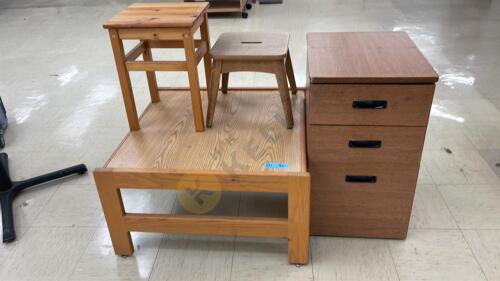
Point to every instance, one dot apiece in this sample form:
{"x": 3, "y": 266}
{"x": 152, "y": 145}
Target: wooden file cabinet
{"x": 368, "y": 104}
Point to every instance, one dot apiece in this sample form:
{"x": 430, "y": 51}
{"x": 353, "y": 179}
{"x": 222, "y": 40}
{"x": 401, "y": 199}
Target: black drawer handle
{"x": 367, "y": 179}
{"x": 369, "y": 104}
{"x": 365, "y": 144}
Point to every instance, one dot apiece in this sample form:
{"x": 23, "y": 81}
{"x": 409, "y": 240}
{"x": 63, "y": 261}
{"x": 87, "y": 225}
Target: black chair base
{"x": 10, "y": 189}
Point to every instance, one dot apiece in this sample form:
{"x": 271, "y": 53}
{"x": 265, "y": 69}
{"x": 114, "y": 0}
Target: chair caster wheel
{"x": 248, "y": 6}
{"x": 244, "y": 15}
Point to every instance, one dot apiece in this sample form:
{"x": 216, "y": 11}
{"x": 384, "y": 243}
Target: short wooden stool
{"x": 257, "y": 52}
{"x": 160, "y": 25}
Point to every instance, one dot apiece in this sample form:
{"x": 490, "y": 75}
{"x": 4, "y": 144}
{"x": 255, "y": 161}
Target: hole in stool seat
{"x": 251, "y": 42}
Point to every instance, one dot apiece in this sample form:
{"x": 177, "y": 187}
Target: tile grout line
{"x": 426, "y": 170}
{"x": 57, "y": 187}
{"x": 462, "y": 165}
{"x": 83, "y": 252}
{"x": 234, "y": 240}
{"x": 30, "y": 224}
{"x": 393, "y": 260}
{"x": 447, "y": 207}
{"x": 482, "y": 158}
{"x": 435, "y": 186}
{"x": 232, "y": 259}
{"x": 462, "y": 233}
{"x": 156, "y": 257}
{"x": 474, "y": 255}
{"x": 65, "y": 226}
{"x": 161, "y": 242}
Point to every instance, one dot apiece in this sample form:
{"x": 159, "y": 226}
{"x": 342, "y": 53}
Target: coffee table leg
{"x": 126, "y": 86}
{"x": 298, "y": 220}
{"x": 112, "y": 206}
{"x": 194, "y": 83}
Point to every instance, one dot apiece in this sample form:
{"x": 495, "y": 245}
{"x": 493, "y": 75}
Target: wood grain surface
{"x": 160, "y": 15}
{"x": 368, "y": 107}
{"x": 407, "y": 105}
{"x": 337, "y": 212}
{"x": 251, "y": 46}
{"x": 366, "y": 57}
{"x": 380, "y": 209}
{"x": 249, "y": 132}
{"x": 330, "y": 144}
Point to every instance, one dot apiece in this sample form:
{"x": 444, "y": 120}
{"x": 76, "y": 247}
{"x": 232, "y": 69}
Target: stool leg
{"x": 153, "y": 86}
{"x": 289, "y": 73}
{"x": 194, "y": 83}
{"x": 214, "y": 89}
{"x": 207, "y": 60}
{"x": 126, "y": 86}
{"x": 225, "y": 82}
{"x": 285, "y": 95}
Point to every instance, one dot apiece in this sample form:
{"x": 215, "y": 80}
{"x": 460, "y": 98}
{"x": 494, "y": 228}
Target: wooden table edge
{"x": 374, "y": 80}
{"x": 256, "y": 89}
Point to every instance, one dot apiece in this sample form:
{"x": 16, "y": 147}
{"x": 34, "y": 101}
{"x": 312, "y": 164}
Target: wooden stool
{"x": 160, "y": 25}
{"x": 252, "y": 51}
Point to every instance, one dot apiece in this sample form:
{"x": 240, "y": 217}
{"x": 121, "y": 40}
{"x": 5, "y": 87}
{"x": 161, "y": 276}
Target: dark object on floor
{"x": 447, "y": 150}
{"x": 10, "y": 189}
{"x": 3, "y": 123}
{"x": 497, "y": 164}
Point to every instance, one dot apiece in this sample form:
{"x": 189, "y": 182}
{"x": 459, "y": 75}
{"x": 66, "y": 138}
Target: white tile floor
{"x": 59, "y": 84}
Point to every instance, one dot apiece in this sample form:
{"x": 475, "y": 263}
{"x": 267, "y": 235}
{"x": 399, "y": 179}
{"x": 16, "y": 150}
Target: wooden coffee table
{"x": 251, "y": 151}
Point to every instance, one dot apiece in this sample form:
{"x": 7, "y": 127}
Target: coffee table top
{"x": 158, "y": 15}
{"x": 366, "y": 57}
{"x": 248, "y": 135}
{"x": 251, "y": 45}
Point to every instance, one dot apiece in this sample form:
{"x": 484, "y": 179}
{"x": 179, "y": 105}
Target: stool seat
{"x": 158, "y": 15}
{"x": 251, "y": 46}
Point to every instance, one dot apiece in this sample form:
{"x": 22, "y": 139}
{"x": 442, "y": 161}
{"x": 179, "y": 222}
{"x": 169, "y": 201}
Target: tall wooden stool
{"x": 160, "y": 25}
{"x": 257, "y": 52}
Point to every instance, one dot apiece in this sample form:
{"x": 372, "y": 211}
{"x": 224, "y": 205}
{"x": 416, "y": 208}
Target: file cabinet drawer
{"x": 370, "y": 104}
{"x": 360, "y": 213}
{"x": 374, "y": 144}
{"x": 382, "y": 177}
{"x": 362, "y": 200}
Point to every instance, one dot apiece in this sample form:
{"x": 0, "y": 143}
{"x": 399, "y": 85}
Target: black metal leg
{"x": 7, "y": 216}
{"x": 5, "y": 181}
{"x": 20, "y": 185}
{"x": 9, "y": 190}
{"x": 4, "y": 161}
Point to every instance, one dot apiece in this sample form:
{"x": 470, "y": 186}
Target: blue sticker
{"x": 271, "y": 165}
